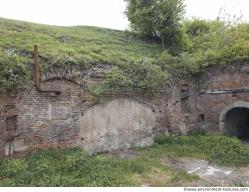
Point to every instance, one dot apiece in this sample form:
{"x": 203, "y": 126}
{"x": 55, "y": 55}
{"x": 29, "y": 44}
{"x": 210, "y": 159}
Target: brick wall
{"x": 47, "y": 120}
{"x": 209, "y": 93}
{"x": 7, "y": 109}
{"x": 44, "y": 120}
{"x": 219, "y": 88}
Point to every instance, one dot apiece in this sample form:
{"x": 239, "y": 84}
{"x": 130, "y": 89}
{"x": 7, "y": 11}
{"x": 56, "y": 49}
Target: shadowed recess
{"x": 237, "y": 123}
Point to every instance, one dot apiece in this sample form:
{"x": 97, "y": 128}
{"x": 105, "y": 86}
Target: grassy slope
{"x": 84, "y": 44}
{"x": 220, "y": 44}
{"x": 140, "y": 65}
{"x": 81, "y": 47}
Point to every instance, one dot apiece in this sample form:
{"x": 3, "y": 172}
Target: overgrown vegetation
{"x": 137, "y": 65}
{"x": 194, "y": 44}
{"x": 79, "y": 46}
{"x": 209, "y": 43}
{"x": 157, "y": 20}
{"x": 141, "y": 76}
{"x": 216, "y": 148}
{"x": 72, "y": 167}
{"x": 12, "y": 71}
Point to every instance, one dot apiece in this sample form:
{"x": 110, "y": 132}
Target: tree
{"x": 157, "y": 20}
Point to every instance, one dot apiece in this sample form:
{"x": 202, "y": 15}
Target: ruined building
{"x": 56, "y": 112}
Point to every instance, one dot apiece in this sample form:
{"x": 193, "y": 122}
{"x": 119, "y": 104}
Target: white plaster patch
{"x": 194, "y": 170}
{"x": 215, "y": 174}
{"x": 228, "y": 172}
{"x": 211, "y": 170}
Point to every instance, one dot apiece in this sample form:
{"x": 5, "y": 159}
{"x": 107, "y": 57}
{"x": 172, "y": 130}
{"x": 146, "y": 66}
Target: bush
{"x": 209, "y": 43}
{"x": 142, "y": 76}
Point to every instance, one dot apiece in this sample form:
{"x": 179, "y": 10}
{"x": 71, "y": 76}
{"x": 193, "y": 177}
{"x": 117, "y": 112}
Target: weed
{"x": 217, "y": 148}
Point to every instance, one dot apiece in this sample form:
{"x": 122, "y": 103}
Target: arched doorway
{"x": 234, "y": 120}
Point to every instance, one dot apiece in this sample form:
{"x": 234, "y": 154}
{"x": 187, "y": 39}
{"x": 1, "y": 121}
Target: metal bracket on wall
{"x": 224, "y": 91}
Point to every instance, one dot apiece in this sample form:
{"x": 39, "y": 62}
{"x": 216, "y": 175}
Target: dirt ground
{"x": 210, "y": 174}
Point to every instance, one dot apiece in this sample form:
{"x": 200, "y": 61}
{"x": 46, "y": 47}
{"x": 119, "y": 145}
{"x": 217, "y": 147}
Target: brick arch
{"x": 238, "y": 104}
{"x": 75, "y": 81}
{"x": 60, "y": 73}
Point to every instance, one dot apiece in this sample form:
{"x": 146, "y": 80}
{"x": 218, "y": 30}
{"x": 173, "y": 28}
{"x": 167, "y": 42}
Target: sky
{"x": 105, "y": 13}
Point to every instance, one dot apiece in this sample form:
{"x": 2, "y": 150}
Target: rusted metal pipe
{"x": 37, "y": 74}
{"x": 37, "y": 67}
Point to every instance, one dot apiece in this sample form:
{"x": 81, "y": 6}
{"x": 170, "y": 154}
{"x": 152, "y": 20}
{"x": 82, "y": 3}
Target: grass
{"x": 137, "y": 65}
{"x": 78, "y": 47}
{"x": 79, "y": 44}
{"x": 217, "y": 148}
{"x": 72, "y": 167}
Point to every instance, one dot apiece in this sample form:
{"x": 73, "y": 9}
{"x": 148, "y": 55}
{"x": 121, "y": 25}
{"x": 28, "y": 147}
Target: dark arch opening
{"x": 237, "y": 123}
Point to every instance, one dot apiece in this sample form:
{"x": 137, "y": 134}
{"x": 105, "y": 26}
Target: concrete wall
{"x": 119, "y": 123}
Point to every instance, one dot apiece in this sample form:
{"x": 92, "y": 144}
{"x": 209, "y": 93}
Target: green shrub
{"x": 12, "y": 71}
{"x": 70, "y": 167}
{"x": 12, "y": 168}
{"x": 216, "y": 148}
{"x": 209, "y": 43}
{"x": 164, "y": 139}
{"x": 226, "y": 151}
{"x": 197, "y": 132}
{"x": 138, "y": 166}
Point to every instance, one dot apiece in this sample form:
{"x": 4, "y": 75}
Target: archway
{"x": 234, "y": 120}
{"x": 237, "y": 123}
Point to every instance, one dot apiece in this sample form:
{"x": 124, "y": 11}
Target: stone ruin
{"x": 56, "y": 112}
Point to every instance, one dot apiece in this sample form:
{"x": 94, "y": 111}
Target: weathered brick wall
{"x": 47, "y": 120}
{"x": 158, "y": 104}
{"x": 7, "y": 109}
{"x": 181, "y": 119}
{"x": 175, "y": 116}
{"x": 209, "y": 94}
{"x": 211, "y": 101}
